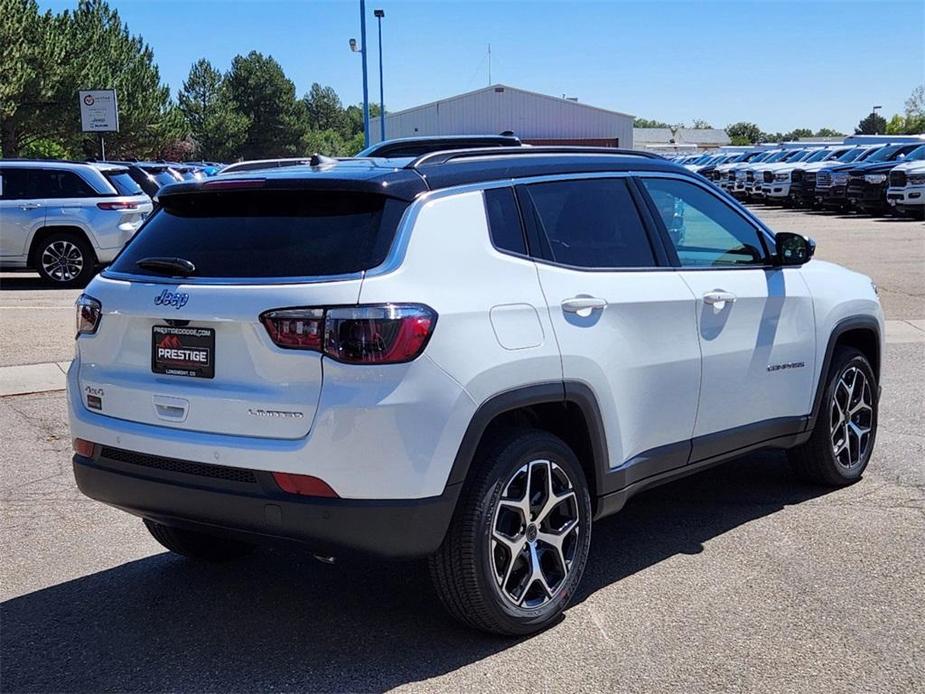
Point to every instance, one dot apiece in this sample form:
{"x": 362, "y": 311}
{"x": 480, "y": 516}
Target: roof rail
{"x": 445, "y": 156}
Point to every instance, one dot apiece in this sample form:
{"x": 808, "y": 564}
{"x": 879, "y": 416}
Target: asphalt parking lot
{"x": 738, "y": 579}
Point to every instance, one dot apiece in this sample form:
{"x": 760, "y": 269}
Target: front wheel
{"x": 846, "y": 426}
{"x": 518, "y": 543}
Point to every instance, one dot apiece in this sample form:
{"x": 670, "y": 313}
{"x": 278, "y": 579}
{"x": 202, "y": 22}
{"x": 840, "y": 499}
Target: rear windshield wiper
{"x": 167, "y": 266}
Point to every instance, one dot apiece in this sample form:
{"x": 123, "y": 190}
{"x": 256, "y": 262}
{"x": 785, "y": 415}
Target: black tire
{"x": 463, "y": 569}
{"x": 77, "y": 251}
{"x": 816, "y": 460}
{"x": 196, "y": 545}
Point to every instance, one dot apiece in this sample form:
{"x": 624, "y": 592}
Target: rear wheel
{"x": 518, "y": 543}
{"x": 197, "y": 545}
{"x": 65, "y": 259}
{"x": 843, "y": 438}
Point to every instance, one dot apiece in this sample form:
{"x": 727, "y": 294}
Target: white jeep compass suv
{"x": 468, "y": 356}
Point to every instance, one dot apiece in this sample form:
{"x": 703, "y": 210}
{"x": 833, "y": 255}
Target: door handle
{"x": 30, "y": 206}
{"x": 586, "y": 304}
{"x": 718, "y": 297}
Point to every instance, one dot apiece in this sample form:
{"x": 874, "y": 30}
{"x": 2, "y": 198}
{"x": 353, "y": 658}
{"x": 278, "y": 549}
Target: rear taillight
{"x": 296, "y": 328}
{"x": 89, "y": 312}
{"x": 381, "y": 334}
{"x": 117, "y": 205}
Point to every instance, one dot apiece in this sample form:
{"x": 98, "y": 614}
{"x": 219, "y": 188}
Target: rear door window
{"x": 264, "y": 234}
{"x": 64, "y": 184}
{"x": 590, "y": 223}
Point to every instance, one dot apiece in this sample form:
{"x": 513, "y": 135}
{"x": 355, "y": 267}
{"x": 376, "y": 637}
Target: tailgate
{"x": 240, "y": 384}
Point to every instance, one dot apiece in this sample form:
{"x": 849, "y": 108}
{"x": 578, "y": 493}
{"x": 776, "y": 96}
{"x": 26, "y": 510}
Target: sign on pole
{"x": 99, "y": 111}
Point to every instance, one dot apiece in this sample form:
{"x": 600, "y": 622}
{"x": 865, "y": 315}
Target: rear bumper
{"x": 256, "y": 510}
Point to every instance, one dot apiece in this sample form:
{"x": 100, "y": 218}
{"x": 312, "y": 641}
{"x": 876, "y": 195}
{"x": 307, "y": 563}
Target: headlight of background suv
{"x": 840, "y": 177}
{"x": 875, "y": 178}
{"x": 782, "y": 177}
{"x": 916, "y": 179}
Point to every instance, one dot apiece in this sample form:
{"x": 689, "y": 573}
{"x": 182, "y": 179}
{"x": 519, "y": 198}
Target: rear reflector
{"x": 379, "y": 334}
{"x": 303, "y": 485}
{"x": 117, "y": 205}
{"x": 83, "y": 447}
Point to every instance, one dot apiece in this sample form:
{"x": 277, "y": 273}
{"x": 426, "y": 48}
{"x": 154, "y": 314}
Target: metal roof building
{"x": 705, "y": 138}
{"x": 534, "y": 118}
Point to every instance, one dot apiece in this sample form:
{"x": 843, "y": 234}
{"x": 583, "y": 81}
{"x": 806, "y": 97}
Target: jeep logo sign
{"x": 168, "y": 298}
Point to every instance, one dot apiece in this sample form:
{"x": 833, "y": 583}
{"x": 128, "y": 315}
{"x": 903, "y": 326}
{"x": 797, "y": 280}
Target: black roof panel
{"x": 407, "y": 178}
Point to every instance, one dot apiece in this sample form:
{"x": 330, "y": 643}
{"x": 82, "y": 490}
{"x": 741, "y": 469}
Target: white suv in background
{"x": 468, "y": 356}
{"x": 62, "y": 219}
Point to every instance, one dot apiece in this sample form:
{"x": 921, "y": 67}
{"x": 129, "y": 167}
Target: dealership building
{"x": 535, "y": 118}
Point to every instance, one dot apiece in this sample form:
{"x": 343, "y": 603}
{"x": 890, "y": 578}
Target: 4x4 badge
{"x": 168, "y": 298}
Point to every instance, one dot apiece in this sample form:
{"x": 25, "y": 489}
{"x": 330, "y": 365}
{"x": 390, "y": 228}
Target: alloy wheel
{"x": 534, "y": 534}
{"x": 851, "y": 418}
{"x": 62, "y": 261}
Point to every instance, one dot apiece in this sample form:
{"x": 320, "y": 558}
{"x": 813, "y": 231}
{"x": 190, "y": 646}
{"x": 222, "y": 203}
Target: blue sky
{"x": 780, "y": 64}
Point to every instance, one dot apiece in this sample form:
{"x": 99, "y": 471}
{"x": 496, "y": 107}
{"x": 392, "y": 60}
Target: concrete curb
{"x": 51, "y": 376}
{"x": 33, "y": 378}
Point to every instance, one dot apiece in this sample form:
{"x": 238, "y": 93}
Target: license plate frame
{"x": 183, "y": 351}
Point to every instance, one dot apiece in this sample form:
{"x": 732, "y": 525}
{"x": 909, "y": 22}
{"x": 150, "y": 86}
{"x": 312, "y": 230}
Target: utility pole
{"x": 365, "y": 78}
{"x": 379, "y": 15}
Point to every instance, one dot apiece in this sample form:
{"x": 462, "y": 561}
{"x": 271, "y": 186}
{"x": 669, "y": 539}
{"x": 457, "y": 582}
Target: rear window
{"x": 123, "y": 182}
{"x": 243, "y": 234}
{"x": 162, "y": 176}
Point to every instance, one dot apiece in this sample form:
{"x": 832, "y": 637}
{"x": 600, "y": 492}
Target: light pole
{"x": 873, "y": 112}
{"x": 379, "y": 15}
{"x": 362, "y": 50}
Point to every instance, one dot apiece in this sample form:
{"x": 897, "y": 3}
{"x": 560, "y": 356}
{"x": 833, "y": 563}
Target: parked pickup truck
{"x": 868, "y": 183}
{"x": 803, "y": 177}
{"x": 832, "y": 182}
{"x": 906, "y": 194}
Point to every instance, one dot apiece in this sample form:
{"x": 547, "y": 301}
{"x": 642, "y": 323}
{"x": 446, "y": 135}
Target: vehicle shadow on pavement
{"x": 23, "y": 282}
{"x": 281, "y": 620}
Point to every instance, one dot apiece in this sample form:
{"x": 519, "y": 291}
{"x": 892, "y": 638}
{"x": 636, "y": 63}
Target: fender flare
{"x": 575, "y": 392}
{"x": 841, "y": 327}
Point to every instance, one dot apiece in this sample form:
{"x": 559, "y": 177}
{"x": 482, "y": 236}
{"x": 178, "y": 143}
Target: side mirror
{"x": 793, "y": 249}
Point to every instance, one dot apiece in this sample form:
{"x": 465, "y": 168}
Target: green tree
{"x": 102, "y": 54}
{"x": 262, "y": 92}
{"x": 701, "y": 124}
{"x": 874, "y": 124}
{"x": 743, "y": 133}
{"x": 896, "y": 125}
{"x": 797, "y": 134}
{"x": 915, "y": 111}
{"x": 324, "y": 110}
{"x": 828, "y": 132}
{"x": 31, "y": 71}
{"x": 646, "y": 123}
{"x": 216, "y": 125}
